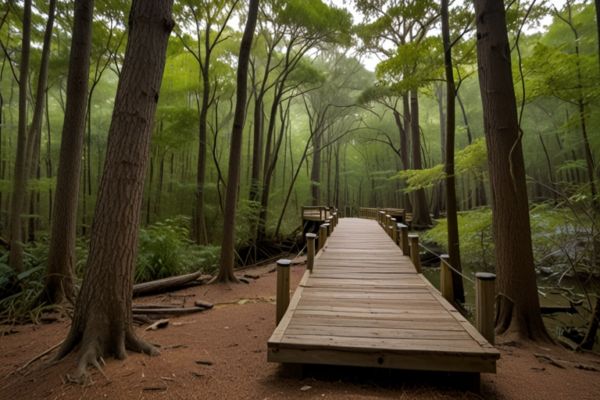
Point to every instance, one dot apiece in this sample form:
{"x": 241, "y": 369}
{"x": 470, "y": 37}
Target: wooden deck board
{"x": 365, "y": 304}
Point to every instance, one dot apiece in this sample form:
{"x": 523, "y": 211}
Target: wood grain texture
{"x": 364, "y": 304}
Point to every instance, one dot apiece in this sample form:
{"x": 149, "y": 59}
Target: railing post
{"x": 330, "y": 228}
{"x": 322, "y": 236}
{"x": 414, "y": 252}
{"x": 485, "y": 294}
{"x": 394, "y": 228}
{"x": 446, "y": 279}
{"x": 327, "y": 230}
{"x": 404, "y": 239}
{"x": 387, "y": 224}
{"x": 283, "y": 288}
{"x": 310, "y": 251}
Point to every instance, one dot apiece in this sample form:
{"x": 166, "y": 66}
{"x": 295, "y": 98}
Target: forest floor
{"x": 234, "y": 337}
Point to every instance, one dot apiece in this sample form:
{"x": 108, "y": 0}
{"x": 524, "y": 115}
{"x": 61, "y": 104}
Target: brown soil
{"x": 234, "y": 337}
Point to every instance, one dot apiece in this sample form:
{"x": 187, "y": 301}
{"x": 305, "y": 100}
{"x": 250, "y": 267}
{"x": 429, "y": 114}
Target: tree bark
{"x": 257, "y": 148}
{"x": 403, "y": 153}
{"x": 235, "y": 156}
{"x": 35, "y": 130}
{"x": 102, "y": 321}
{"x": 315, "y": 176}
{"x": 421, "y": 217}
{"x": 452, "y": 218}
{"x": 60, "y": 268}
{"x": 20, "y": 171}
{"x": 518, "y": 309}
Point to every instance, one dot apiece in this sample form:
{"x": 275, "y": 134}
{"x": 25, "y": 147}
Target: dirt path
{"x": 234, "y": 337}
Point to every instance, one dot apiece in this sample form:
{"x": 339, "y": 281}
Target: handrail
{"x": 367, "y": 213}
{"x": 318, "y": 213}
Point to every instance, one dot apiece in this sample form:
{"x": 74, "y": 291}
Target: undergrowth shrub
{"x": 165, "y": 250}
{"x": 18, "y": 292}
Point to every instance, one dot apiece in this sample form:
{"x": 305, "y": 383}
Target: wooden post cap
{"x": 325, "y": 225}
{"x": 444, "y": 256}
{"x": 485, "y": 276}
{"x": 401, "y": 226}
{"x": 413, "y": 236}
{"x": 311, "y": 235}
{"x": 284, "y": 263}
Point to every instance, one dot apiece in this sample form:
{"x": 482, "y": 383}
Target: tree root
{"x": 93, "y": 350}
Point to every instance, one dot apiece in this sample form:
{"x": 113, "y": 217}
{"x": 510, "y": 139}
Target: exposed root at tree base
{"x": 93, "y": 351}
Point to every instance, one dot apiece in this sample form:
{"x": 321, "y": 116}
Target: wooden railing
{"x": 318, "y": 213}
{"x": 378, "y": 214}
{"x": 367, "y": 213}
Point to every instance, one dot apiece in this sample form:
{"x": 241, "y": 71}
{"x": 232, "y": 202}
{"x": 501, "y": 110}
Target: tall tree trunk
{"x": 272, "y": 163}
{"x": 60, "y": 268}
{"x": 452, "y": 218}
{"x": 293, "y": 181}
{"x": 518, "y": 308}
{"x": 235, "y": 155}
{"x": 103, "y": 319}
{"x": 200, "y": 223}
{"x": 315, "y": 176}
{"x": 35, "y": 130}
{"x": 405, "y": 146}
{"x": 421, "y": 217}
{"x": 49, "y": 161}
{"x": 257, "y": 148}
{"x": 438, "y": 203}
{"x": 20, "y": 177}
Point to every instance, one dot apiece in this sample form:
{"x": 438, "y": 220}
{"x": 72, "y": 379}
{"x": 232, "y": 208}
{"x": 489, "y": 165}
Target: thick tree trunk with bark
{"x": 235, "y": 156}
{"x": 518, "y": 309}
{"x": 20, "y": 177}
{"x": 60, "y": 268}
{"x": 102, "y": 322}
{"x": 421, "y": 217}
{"x": 452, "y": 218}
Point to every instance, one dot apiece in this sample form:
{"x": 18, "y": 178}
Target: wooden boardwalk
{"x": 364, "y": 304}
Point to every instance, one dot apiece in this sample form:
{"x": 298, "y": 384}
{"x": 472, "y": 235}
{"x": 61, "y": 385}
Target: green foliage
{"x": 563, "y": 237}
{"x": 246, "y": 217}
{"x": 475, "y": 232}
{"x": 165, "y": 250}
{"x": 314, "y": 18}
{"x": 412, "y": 64}
{"x": 472, "y": 159}
{"x": 18, "y": 292}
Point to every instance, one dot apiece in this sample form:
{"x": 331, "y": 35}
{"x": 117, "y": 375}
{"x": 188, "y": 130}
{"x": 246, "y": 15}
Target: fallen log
{"x": 153, "y": 306}
{"x": 165, "y": 283}
{"x": 204, "y": 304}
{"x": 141, "y": 319}
{"x": 556, "y": 309}
{"x": 158, "y": 324}
{"x": 169, "y": 311}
